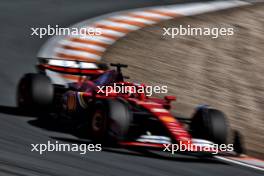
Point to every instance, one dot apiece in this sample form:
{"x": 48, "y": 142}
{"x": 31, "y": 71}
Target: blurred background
{"x": 226, "y": 72}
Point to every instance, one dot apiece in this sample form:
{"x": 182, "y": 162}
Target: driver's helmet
{"x": 106, "y": 78}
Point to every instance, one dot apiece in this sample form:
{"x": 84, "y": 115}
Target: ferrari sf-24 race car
{"x": 70, "y": 89}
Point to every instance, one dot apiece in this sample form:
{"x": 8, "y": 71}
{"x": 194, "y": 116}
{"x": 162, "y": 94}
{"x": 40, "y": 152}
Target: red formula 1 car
{"x": 71, "y": 89}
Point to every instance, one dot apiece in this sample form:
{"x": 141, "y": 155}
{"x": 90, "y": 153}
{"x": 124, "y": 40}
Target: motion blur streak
{"x": 18, "y": 132}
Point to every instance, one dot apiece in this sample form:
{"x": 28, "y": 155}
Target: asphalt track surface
{"x": 18, "y": 132}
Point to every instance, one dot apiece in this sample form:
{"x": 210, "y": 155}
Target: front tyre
{"x": 35, "y": 92}
{"x": 209, "y": 124}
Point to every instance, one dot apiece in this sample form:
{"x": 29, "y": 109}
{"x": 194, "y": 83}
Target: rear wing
{"x": 63, "y": 71}
{"x": 72, "y": 66}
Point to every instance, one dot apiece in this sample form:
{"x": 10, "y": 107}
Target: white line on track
{"x": 239, "y": 163}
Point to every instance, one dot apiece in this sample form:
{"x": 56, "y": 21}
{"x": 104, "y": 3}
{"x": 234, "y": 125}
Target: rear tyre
{"x": 35, "y": 92}
{"x": 110, "y": 121}
{"x": 209, "y": 124}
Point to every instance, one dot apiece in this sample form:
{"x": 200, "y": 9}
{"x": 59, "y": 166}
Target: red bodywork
{"x": 156, "y": 106}
{"x": 159, "y": 108}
